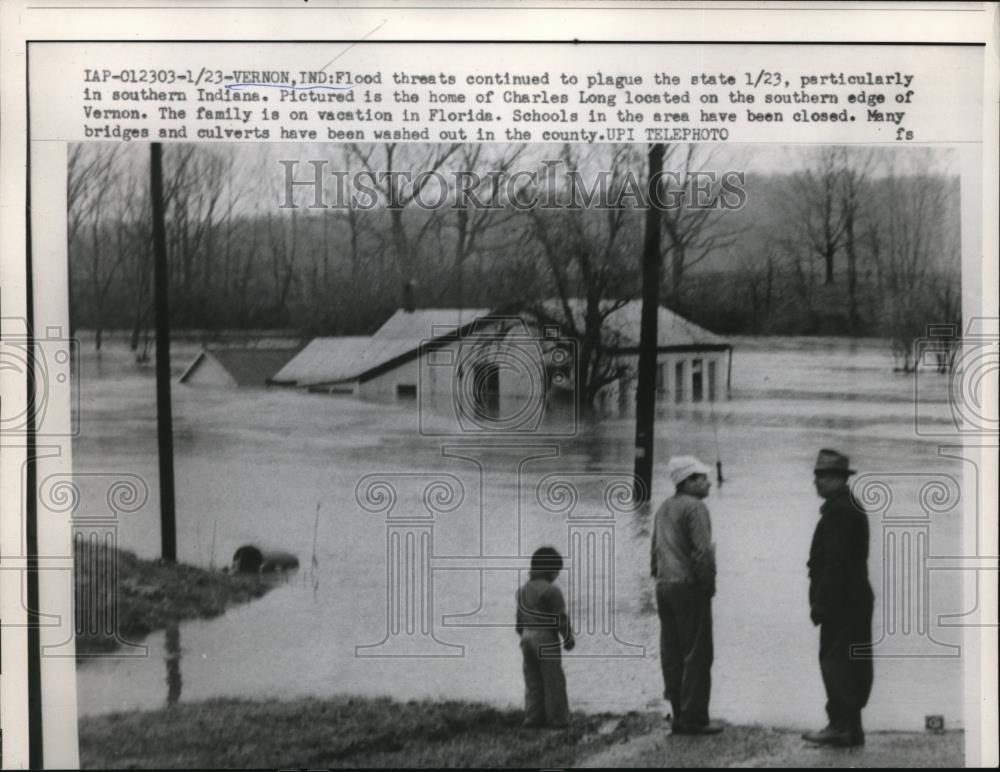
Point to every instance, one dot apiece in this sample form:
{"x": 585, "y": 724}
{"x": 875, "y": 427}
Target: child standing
{"x": 541, "y": 622}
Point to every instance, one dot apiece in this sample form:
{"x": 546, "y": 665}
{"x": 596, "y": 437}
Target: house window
{"x": 406, "y": 390}
{"x": 679, "y": 382}
{"x": 711, "y": 380}
{"x": 696, "y": 380}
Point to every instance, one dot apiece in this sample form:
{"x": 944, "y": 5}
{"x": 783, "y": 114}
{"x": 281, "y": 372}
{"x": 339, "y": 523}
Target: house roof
{"x": 333, "y": 360}
{"x": 623, "y": 326}
{"x": 402, "y": 335}
{"x": 246, "y": 366}
{"x": 324, "y": 359}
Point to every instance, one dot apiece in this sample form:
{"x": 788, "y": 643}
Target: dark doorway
{"x": 486, "y": 384}
{"x": 696, "y": 381}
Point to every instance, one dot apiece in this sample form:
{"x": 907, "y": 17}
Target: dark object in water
{"x": 249, "y": 559}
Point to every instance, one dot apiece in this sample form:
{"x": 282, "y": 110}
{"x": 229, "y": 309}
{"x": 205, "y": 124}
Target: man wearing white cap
{"x": 683, "y": 562}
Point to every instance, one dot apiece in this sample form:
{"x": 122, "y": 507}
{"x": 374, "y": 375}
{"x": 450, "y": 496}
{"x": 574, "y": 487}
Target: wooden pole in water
{"x": 645, "y": 403}
{"x": 164, "y": 418}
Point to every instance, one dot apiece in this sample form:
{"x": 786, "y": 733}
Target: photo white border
{"x": 22, "y": 20}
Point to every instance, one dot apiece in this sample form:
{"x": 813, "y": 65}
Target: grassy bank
{"x": 343, "y": 732}
{"x": 150, "y": 596}
{"x": 370, "y": 732}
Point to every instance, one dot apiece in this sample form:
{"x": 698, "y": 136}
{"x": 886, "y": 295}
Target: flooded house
{"x": 692, "y": 363}
{"x": 497, "y": 364}
{"x": 235, "y": 367}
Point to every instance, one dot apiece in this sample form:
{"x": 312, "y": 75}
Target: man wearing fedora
{"x": 841, "y": 601}
{"x": 683, "y": 563}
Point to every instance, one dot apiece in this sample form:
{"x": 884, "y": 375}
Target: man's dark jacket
{"x": 840, "y": 601}
{"x": 838, "y": 561}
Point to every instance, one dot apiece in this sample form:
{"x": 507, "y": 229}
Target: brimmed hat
{"x": 681, "y": 467}
{"x": 832, "y": 461}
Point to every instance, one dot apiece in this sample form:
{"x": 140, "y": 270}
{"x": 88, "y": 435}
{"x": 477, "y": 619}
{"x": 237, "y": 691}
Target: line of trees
{"x": 849, "y": 241}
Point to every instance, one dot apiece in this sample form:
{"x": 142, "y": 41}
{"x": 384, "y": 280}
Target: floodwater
{"x": 281, "y": 469}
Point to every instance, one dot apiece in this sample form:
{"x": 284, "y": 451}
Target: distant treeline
{"x": 846, "y": 242}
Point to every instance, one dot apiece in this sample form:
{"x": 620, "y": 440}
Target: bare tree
{"x": 229, "y": 226}
{"x": 79, "y": 165}
{"x": 854, "y": 203}
{"x": 400, "y": 178}
{"x": 815, "y": 198}
{"x": 89, "y": 207}
{"x": 473, "y": 224}
{"x": 590, "y": 257}
{"x": 757, "y": 274}
{"x": 915, "y": 241}
{"x": 694, "y": 225}
{"x": 282, "y": 240}
{"x": 196, "y": 179}
{"x": 132, "y": 233}
{"x": 348, "y": 231}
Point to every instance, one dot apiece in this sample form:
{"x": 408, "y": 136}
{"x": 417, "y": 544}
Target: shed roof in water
{"x": 324, "y": 359}
{"x": 246, "y": 366}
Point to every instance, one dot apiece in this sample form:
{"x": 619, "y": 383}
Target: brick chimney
{"x": 410, "y": 296}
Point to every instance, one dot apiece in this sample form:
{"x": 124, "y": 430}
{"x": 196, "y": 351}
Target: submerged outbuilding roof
{"x": 244, "y": 366}
{"x": 324, "y": 359}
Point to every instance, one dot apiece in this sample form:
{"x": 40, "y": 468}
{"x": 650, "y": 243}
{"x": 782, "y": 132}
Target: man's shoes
{"x": 701, "y": 729}
{"x": 836, "y": 737}
{"x": 821, "y": 735}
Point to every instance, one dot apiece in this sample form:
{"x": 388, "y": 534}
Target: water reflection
{"x": 172, "y": 647}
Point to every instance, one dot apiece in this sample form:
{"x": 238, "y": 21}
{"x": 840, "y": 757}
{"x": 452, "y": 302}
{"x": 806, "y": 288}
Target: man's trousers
{"x": 686, "y": 651}
{"x": 847, "y": 678}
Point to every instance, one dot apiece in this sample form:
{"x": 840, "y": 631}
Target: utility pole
{"x": 164, "y": 417}
{"x": 645, "y": 402}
